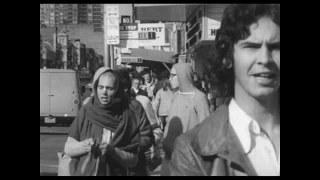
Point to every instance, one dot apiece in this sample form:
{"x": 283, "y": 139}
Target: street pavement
{"x": 52, "y": 140}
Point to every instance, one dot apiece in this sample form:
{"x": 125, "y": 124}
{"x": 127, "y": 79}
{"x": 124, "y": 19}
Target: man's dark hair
{"x": 144, "y": 72}
{"x": 138, "y": 76}
{"x": 235, "y": 26}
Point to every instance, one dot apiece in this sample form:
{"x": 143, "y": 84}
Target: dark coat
{"x": 146, "y": 140}
{"x": 210, "y": 149}
{"x": 140, "y": 92}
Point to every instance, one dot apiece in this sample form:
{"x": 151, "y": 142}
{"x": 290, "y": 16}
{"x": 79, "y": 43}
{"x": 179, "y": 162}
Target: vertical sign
{"x": 77, "y": 45}
{"x": 119, "y": 59}
{"x": 112, "y": 24}
{"x": 62, "y": 39}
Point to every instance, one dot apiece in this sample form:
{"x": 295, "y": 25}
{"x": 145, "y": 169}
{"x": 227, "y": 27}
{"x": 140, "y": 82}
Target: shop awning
{"x": 171, "y": 13}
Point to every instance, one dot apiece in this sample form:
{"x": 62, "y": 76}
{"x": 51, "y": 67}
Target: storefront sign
{"x": 128, "y": 31}
{"x": 158, "y": 30}
{"x": 142, "y": 35}
{"x": 212, "y": 29}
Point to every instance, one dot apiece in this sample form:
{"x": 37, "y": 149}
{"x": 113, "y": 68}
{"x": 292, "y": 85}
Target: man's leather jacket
{"x": 210, "y": 149}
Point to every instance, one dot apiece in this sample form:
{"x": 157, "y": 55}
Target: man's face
{"x": 136, "y": 83}
{"x": 106, "y": 88}
{"x": 147, "y": 78}
{"x": 257, "y": 60}
{"x": 173, "y": 78}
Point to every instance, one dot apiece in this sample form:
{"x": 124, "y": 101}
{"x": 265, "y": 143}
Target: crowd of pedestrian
{"x": 130, "y": 116}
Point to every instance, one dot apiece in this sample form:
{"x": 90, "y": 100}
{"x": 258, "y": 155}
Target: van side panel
{"x": 45, "y": 94}
{"x": 64, "y": 91}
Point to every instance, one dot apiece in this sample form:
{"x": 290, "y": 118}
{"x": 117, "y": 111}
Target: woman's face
{"x": 195, "y": 78}
{"x": 106, "y": 88}
{"x": 257, "y": 60}
{"x": 173, "y": 78}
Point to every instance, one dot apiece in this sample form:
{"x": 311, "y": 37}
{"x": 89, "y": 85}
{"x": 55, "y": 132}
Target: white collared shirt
{"x": 135, "y": 90}
{"x": 149, "y": 88}
{"x": 262, "y": 155}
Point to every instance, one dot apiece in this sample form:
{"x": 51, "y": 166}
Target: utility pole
{"x": 133, "y": 14}
{"x": 112, "y": 56}
{"x": 106, "y": 46}
{"x": 56, "y": 43}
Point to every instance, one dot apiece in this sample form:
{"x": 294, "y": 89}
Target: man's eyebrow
{"x": 105, "y": 86}
{"x": 250, "y": 43}
{"x": 273, "y": 43}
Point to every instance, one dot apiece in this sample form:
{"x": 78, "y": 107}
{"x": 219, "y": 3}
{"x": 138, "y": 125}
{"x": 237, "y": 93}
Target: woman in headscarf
{"x": 104, "y": 137}
{"x": 188, "y": 109}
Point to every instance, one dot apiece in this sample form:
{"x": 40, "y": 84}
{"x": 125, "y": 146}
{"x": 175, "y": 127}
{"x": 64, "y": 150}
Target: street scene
{"x": 159, "y": 89}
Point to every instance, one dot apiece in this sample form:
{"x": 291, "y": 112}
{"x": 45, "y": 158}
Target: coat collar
{"x": 216, "y": 136}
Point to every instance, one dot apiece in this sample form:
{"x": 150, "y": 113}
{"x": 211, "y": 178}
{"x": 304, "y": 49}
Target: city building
{"x": 54, "y": 14}
{"x": 57, "y": 14}
{"x": 97, "y": 17}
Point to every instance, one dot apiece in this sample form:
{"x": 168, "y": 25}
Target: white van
{"x": 60, "y": 96}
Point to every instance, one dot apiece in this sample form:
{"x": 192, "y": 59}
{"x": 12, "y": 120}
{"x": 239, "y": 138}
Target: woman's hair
{"x": 164, "y": 75}
{"x": 235, "y": 26}
{"x": 124, "y": 78}
{"x": 166, "y": 84}
{"x": 196, "y": 74}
